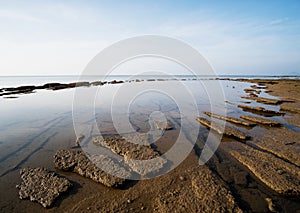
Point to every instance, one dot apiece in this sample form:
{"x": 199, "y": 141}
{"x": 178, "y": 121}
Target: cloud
{"x": 19, "y": 16}
{"x": 278, "y": 21}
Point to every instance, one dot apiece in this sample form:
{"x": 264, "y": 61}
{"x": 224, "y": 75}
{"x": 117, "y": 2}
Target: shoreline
{"x": 229, "y": 168}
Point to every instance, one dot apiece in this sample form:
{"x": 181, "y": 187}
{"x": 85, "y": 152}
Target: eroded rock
{"x": 263, "y": 121}
{"x": 230, "y": 119}
{"x": 42, "y": 186}
{"x": 260, "y": 110}
{"x": 227, "y": 130}
{"x": 267, "y": 100}
{"x": 290, "y": 109}
{"x": 76, "y": 161}
{"x": 266, "y": 167}
{"x": 203, "y": 192}
{"x": 115, "y": 82}
{"x": 134, "y": 154}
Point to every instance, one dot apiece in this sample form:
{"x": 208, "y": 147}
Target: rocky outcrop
{"x": 281, "y": 143}
{"x": 201, "y": 192}
{"x": 263, "y": 121}
{"x": 290, "y": 109}
{"x": 260, "y": 110}
{"x": 282, "y": 177}
{"x": 227, "y": 130}
{"x": 135, "y": 155}
{"x": 17, "y": 90}
{"x": 115, "y": 82}
{"x": 268, "y": 100}
{"x": 230, "y": 119}
{"x": 42, "y": 186}
{"x": 76, "y": 161}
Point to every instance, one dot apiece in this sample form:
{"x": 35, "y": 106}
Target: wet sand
{"x": 241, "y": 176}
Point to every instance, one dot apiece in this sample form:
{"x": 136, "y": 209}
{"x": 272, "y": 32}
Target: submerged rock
{"x": 230, "y": 119}
{"x": 79, "y": 139}
{"x": 135, "y": 155}
{"x": 263, "y": 121}
{"x": 227, "y": 130}
{"x": 76, "y": 161}
{"x": 42, "y": 186}
{"x": 162, "y": 125}
{"x": 260, "y": 110}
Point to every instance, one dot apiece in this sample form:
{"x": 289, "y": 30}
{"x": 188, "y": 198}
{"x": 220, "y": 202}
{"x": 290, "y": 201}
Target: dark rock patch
{"x": 116, "y": 82}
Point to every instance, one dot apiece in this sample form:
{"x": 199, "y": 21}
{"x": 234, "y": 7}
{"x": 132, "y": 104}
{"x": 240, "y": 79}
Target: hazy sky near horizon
{"x": 237, "y": 37}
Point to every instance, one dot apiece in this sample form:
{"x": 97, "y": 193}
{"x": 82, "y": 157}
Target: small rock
{"x": 162, "y": 125}
{"x": 181, "y": 178}
{"x": 79, "y": 140}
{"x": 280, "y": 171}
{"x": 290, "y": 143}
{"x": 128, "y": 201}
{"x": 271, "y": 205}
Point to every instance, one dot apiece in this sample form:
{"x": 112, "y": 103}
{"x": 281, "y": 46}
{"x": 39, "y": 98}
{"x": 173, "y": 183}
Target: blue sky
{"x": 237, "y": 37}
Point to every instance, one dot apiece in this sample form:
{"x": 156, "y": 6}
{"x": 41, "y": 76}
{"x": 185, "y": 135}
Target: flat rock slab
{"x": 230, "y": 119}
{"x": 277, "y": 174}
{"x": 263, "y": 121}
{"x": 260, "y": 110}
{"x": 42, "y": 186}
{"x": 284, "y": 144}
{"x": 142, "y": 159}
{"x": 201, "y": 192}
{"x": 77, "y": 161}
{"x": 227, "y": 130}
{"x": 267, "y": 100}
{"x": 290, "y": 109}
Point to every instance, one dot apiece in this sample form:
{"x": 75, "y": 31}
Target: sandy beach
{"x": 256, "y": 167}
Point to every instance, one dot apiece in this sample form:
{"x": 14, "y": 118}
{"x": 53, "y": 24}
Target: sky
{"x": 236, "y": 37}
